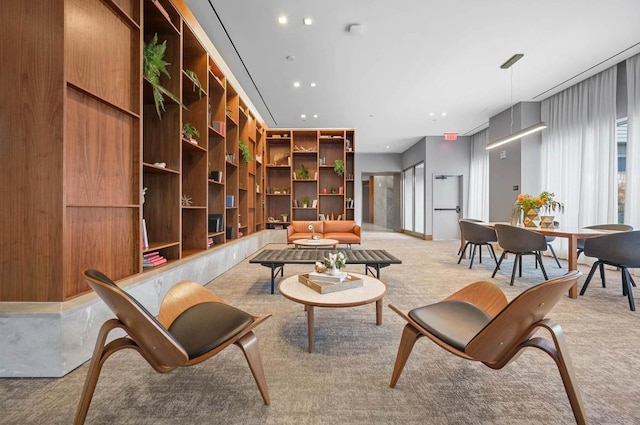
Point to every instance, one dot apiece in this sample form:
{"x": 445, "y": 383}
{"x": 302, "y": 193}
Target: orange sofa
{"x": 344, "y": 231}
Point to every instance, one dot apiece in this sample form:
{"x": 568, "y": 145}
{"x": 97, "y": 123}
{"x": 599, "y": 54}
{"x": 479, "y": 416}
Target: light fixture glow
{"x": 388, "y": 146}
{"x": 517, "y": 135}
{"x": 282, "y": 19}
{"x": 296, "y": 84}
{"x": 307, "y": 21}
{"x": 444, "y": 114}
{"x": 431, "y": 114}
{"x": 303, "y": 116}
{"x": 315, "y": 115}
{"x": 312, "y": 84}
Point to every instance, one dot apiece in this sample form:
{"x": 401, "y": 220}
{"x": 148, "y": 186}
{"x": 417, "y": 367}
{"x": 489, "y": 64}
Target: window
{"x": 621, "y": 140}
{"x": 413, "y": 198}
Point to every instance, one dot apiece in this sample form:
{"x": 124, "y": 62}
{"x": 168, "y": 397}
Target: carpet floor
{"x": 346, "y": 379}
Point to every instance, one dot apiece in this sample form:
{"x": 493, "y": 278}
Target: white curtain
{"x": 478, "y": 200}
{"x": 632, "y": 189}
{"x": 579, "y": 162}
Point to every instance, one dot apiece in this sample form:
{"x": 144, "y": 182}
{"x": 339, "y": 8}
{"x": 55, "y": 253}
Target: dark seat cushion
{"x": 455, "y": 322}
{"x": 205, "y": 326}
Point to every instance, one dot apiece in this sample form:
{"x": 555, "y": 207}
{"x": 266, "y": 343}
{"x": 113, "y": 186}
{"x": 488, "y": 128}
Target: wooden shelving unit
{"x": 291, "y": 151}
{"x": 105, "y": 160}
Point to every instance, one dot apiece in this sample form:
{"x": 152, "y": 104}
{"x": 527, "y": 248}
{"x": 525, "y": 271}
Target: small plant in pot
{"x": 244, "y": 149}
{"x": 338, "y": 167}
{"x": 303, "y": 174}
{"x": 304, "y": 202}
{"x": 189, "y": 132}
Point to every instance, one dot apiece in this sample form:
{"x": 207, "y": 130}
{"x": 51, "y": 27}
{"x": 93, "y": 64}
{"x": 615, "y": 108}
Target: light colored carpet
{"x": 346, "y": 381}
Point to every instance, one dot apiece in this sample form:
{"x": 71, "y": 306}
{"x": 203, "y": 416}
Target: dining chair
{"x": 478, "y": 323}
{"x": 462, "y": 239}
{"x": 193, "y": 325}
{"x": 550, "y": 239}
{"x": 477, "y": 236}
{"x": 613, "y": 226}
{"x": 519, "y": 241}
{"x": 621, "y": 250}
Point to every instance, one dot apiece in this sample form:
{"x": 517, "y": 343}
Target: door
{"x": 447, "y": 206}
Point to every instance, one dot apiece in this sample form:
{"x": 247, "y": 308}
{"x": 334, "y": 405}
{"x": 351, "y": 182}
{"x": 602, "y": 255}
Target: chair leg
{"x": 554, "y": 256}
{"x": 409, "y": 337}
{"x": 560, "y": 355}
{"x": 100, "y": 354}
{"x": 539, "y": 260}
{"x": 626, "y": 282}
{"x": 516, "y": 260}
{"x": 498, "y": 264}
{"x": 473, "y": 255}
{"x": 480, "y": 253}
{"x": 249, "y": 346}
{"x": 604, "y": 284}
{"x": 588, "y": 280}
{"x": 464, "y": 250}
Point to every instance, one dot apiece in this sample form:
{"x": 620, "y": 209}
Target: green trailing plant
{"x": 196, "y": 82}
{"x": 338, "y": 167}
{"x": 303, "y": 174}
{"x": 154, "y": 66}
{"x": 244, "y": 149}
{"x": 190, "y": 131}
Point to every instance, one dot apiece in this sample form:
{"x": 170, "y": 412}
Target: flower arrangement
{"x": 312, "y": 229}
{"x": 545, "y": 202}
{"x": 335, "y": 261}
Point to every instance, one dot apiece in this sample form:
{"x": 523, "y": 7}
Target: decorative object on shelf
{"x": 189, "y": 132}
{"x": 259, "y": 159}
{"x": 335, "y": 263}
{"x": 338, "y": 167}
{"x": 231, "y": 157}
{"x": 186, "y": 201}
{"x": 196, "y": 82}
{"x": 216, "y": 176}
{"x": 303, "y": 174}
{"x": 324, "y": 190}
{"x": 321, "y": 161}
{"x": 244, "y": 149}
{"x": 347, "y": 145}
{"x": 297, "y": 148}
{"x": 229, "y": 110}
{"x": 284, "y": 217}
{"x": 285, "y": 190}
{"x": 144, "y": 192}
{"x": 160, "y": 164}
{"x": 529, "y": 207}
{"x": 304, "y": 202}
{"x": 334, "y": 191}
{"x": 153, "y": 66}
{"x": 219, "y": 126}
{"x": 349, "y": 203}
{"x": 320, "y": 267}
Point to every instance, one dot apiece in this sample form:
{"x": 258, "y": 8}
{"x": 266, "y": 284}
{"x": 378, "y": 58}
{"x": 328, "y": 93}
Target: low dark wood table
{"x": 275, "y": 259}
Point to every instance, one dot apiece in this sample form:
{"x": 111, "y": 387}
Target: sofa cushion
{"x": 342, "y": 226}
{"x": 303, "y": 235}
{"x": 343, "y": 237}
{"x": 302, "y": 226}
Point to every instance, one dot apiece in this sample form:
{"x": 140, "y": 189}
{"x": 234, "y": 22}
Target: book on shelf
{"x": 314, "y": 204}
{"x": 145, "y": 238}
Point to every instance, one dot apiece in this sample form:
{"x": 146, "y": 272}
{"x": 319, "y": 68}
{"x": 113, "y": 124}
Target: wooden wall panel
{"x": 106, "y": 239}
{"x": 101, "y": 153}
{"x": 31, "y": 133}
{"x": 102, "y": 53}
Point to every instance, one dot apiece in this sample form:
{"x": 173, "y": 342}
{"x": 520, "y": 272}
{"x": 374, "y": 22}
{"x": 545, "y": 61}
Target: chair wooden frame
{"x": 152, "y": 340}
{"x": 510, "y": 331}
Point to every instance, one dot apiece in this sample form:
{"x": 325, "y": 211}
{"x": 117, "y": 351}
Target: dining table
{"x": 572, "y": 234}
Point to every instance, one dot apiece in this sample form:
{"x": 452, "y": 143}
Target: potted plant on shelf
{"x": 196, "y": 82}
{"x": 304, "y": 202}
{"x": 189, "y": 132}
{"x": 338, "y": 167}
{"x": 244, "y": 149}
{"x": 154, "y": 65}
{"x": 303, "y": 174}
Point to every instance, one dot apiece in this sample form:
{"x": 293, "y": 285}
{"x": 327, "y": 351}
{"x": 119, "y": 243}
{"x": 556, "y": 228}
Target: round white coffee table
{"x": 371, "y": 290}
{"x": 316, "y": 243}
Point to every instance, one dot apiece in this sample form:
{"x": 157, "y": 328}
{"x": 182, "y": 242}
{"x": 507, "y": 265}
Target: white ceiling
{"x": 413, "y": 58}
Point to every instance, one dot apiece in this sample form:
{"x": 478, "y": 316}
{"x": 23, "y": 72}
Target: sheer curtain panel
{"x": 478, "y": 202}
{"x": 579, "y": 161}
{"x": 632, "y": 190}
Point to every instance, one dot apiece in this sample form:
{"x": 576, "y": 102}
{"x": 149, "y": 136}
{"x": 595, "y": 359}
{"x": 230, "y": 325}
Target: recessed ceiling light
{"x": 282, "y": 19}
{"x": 387, "y": 146}
{"x": 296, "y": 84}
{"x": 303, "y": 116}
{"x": 315, "y": 115}
{"x": 307, "y": 21}
{"x": 312, "y": 84}
{"x": 431, "y": 114}
{"x": 444, "y": 114}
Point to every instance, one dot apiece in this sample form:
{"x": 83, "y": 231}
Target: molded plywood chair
{"x": 193, "y": 325}
{"x": 616, "y": 227}
{"x": 621, "y": 250}
{"x": 519, "y": 241}
{"x": 477, "y": 235}
{"x": 477, "y": 323}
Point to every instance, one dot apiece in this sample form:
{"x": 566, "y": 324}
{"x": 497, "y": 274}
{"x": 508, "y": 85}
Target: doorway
{"x": 447, "y": 206}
